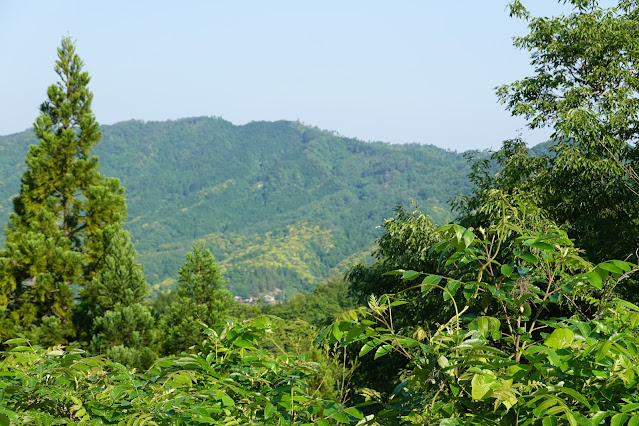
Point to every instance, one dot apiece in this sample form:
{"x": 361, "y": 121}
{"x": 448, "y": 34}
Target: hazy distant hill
{"x": 280, "y": 204}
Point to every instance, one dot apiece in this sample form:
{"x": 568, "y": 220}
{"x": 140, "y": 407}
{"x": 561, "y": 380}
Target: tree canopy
{"x": 585, "y": 87}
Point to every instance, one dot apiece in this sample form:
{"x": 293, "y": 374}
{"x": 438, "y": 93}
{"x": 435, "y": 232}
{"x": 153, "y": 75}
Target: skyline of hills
{"x": 281, "y": 205}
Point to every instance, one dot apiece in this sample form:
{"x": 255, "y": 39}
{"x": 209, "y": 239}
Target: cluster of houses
{"x": 268, "y": 298}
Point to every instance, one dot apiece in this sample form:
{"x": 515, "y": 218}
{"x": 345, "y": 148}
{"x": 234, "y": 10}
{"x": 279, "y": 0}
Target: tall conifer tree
{"x": 55, "y": 235}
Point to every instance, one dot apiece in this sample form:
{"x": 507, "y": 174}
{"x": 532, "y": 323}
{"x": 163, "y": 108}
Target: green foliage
{"x": 201, "y": 299}
{"x": 64, "y": 204}
{"x": 404, "y": 244}
{"x": 126, "y": 335}
{"x": 585, "y": 86}
{"x": 260, "y": 190}
{"x": 297, "y": 337}
{"x": 228, "y": 381}
{"x": 504, "y": 357}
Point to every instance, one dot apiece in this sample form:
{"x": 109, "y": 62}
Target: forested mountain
{"x": 280, "y": 204}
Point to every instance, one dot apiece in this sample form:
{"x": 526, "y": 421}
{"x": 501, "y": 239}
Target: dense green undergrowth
{"x": 226, "y": 379}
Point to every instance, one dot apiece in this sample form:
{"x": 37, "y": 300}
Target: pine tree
{"x": 201, "y": 281}
{"x": 121, "y": 280}
{"x": 54, "y": 238}
{"x": 123, "y": 328}
{"x": 201, "y": 298}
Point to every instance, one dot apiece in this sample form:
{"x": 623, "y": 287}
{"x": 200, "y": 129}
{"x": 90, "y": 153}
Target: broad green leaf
{"x": 560, "y": 338}
{"x": 367, "y": 347}
{"x": 583, "y": 420}
{"x": 383, "y": 350}
{"x": 599, "y": 417}
{"x": 625, "y": 266}
{"x": 628, "y": 305}
{"x": 400, "y": 387}
{"x": 522, "y": 270}
{"x": 488, "y": 327}
{"x": 602, "y": 352}
{"x": 553, "y": 357}
{"x": 571, "y": 417}
{"x": 469, "y": 291}
{"x": 341, "y": 417}
{"x": 528, "y": 257}
{"x": 21, "y": 349}
{"x": 410, "y": 275}
{"x": 542, "y": 246}
{"x": 634, "y": 420}
{"x": 443, "y": 361}
{"x": 542, "y": 409}
{"x": 610, "y": 267}
{"x": 583, "y": 327}
{"x": 549, "y": 421}
{"x": 180, "y": 378}
{"x": 4, "y": 420}
{"x": 594, "y": 279}
{"x": 432, "y": 279}
{"x": 618, "y": 419}
{"x": 452, "y": 287}
{"x": 517, "y": 372}
{"x": 506, "y": 270}
{"x": 241, "y": 343}
{"x": 576, "y": 395}
{"x": 337, "y": 332}
{"x": 629, "y": 407}
{"x": 454, "y": 388}
{"x": 468, "y": 238}
{"x": 269, "y": 410}
{"x": 480, "y": 384}
{"x": 227, "y": 401}
{"x": 354, "y": 412}
{"x": 16, "y": 341}
{"x": 354, "y": 332}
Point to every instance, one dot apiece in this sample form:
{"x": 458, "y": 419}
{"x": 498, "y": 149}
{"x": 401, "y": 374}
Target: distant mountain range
{"x": 281, "y": 205}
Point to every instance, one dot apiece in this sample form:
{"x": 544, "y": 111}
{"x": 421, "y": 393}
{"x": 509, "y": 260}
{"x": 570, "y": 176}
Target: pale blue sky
{"x": 401, "y": 71}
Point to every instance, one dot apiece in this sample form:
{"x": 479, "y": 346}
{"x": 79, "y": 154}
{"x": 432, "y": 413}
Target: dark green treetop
{"x": 121, "y": 280}
{"x": 200, "y": 279}
{"x": 122, "y": 327}
{"x": 54, "y": 238}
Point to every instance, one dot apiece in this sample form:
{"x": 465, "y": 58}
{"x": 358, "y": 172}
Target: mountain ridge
{"x": 232, "y": 185}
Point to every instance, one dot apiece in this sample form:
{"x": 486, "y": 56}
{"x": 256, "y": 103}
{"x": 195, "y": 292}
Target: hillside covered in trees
{"x": 281, "y": 205}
